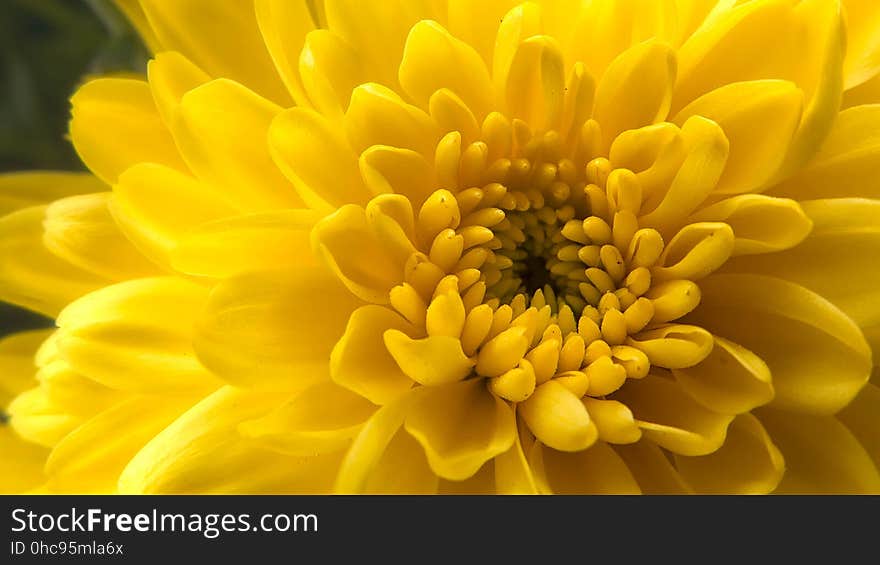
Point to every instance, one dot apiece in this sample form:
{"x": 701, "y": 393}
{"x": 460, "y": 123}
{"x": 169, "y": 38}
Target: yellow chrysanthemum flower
{"x": 606, "y": 246}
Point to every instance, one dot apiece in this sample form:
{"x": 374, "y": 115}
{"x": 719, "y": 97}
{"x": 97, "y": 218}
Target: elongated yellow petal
{"x": 360, "y": 360}
{"x": 91, "y": 458}
{"x": 378, "y": 116}
{"x": 115, "y": 125}
{"x": 184, "y": 28}
{"x": 821, "y": 455}
{"x": 21, "y": 467}
{"x": 80, "y": 230}
{"x": 252, "y": 242}
{"x": 558, "y": 418}
{"x": 731, "y": 379}
{"x": 860, "y": 418}
{"x": 863, "y": 47}
{"x": 171, "y": 75}
{"x": 747, "y": 463}
{"x": 652, "y": 469}
{"x": 273, "y": 330}
{"x": 597, "y": 470}
{"x": 513, "y": 475}
{"x": 671, "y": 418}
{"x": 322, "y": 419}
{"x": 283, "y": 27}
{"x": 317, "y": 159}
{"x": 30, "y": 275}
{"x": 214, "y": 126}
{"x": 31, "y": 188}
{"x": 17, "y": 364}
{"x": 150, "y": 320}
{"x": 461, "y": 426}
{"x": 818, "y": 357}
{"x": 434, "y": 360}
{"x": 402, "y": 469}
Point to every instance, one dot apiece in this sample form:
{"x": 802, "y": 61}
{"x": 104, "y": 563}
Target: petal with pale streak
{"x": 221, "y": 128}
{"x": 513, "y": 475}
{"x": 759, "y": 119}
{"x": 30, "y": 275}
{"x": 460, "y": 426}
{"x": 669, "y": 417}
{"x": 273, "y": 330}
{"x": 91, "y": 458}
{"x": 317, "y": 159}
{"x": 535, "y": 88}
{"x": 322, "y": 419}
{"x": 253, "y": 242}
{"x": 150, "y": 320}
{"x": 398, "y": 171}
{"x": 184, "y": 27}
{"x": 863, "y": 43}
{"x": 817, "y": 355}
{"x": 747, "y": 463}
{"x": 115, "y": 124}
{"x": 36, "y": 419}
{"x": 81, "y": 230}
{"x": 329, "y": 69}
{"x": 596, "y": 470}
{"x": 31, "y": 188}
{"x": 379, "y": 116}
{"x": 821, "y": 455}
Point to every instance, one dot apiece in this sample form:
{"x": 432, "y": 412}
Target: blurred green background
{"x": 46, "y": 48}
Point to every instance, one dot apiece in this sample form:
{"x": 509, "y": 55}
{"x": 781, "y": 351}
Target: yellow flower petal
{"x": 21, "y": 467}
{"x": 731, "y": 379}
{"x": 17, "y": 362}
{"x": 845, "y": 164}
{"x": 761, "y": 224}
{"x": 357, "y": 255}
{"x": 150, "y": 320}
{"x": 431, "y": 361}
{"x": 695, "y": 251}
{"x": 672, "y": 419}
{"x": 329, "y": 69}
{"x": 597, "y": 470}
{"x": 818, "y": 357}
{"x": 536, "y": 83}
{"x": 398, "y": 171}
{"x": 215, "y": 126}
{"x": 360, "y": 361}
{"x": 863, "y": 47}
{"x": 24, "y": 189}
{"x": 378, "y": 116}
{"x": 35, "y": 418}
{"x": 91, "y": 458}
{"x": 433, "y": 59}
{"x": 481, "y": 482}
{"x": 370, "y": 445}
{"x": 747, "y": 463}
{"x": 184, "y": 28}
{"x": 322, "y": 419}
{"x": 759, "y": 119}
{"x": 860, "y": 417}
{"x": 140, "y": 207}
{"x": 513, "y": 475}
{"x": 558, "y": 418}
{"x": 652, "y": 469}
{"x": 69, "y": 392}
{"x": 253, "y": 242}
{"x": 273, "y": 330}
{"x": 283, "y": 26}
{"x": 171, "y": 75}
{"x": 317, "y": 159}
{"x": 30, "y": 275}
{"x": 115, "y": 124}
{"x": 402, "y": 469}
{"x": 821, "y": 455}
{"x": 635, "y": 90}
{"x": 80, "y": 230}
{"x": 673, "y": 346}
{"x": 202, "y": 453}
{"x": 461, "y": 426}
{"x": 613, "y": 420}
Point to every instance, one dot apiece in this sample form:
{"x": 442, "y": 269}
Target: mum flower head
{"x": 608, "y": 246}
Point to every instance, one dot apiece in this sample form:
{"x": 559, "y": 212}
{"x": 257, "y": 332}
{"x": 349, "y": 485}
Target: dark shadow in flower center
{"x": 535, "y": 274}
